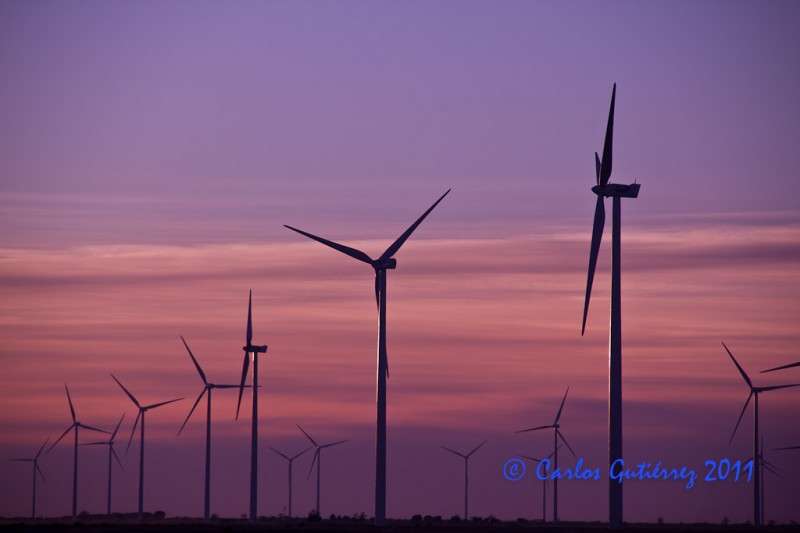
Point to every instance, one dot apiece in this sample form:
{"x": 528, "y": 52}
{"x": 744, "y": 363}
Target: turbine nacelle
{"x": 389, "y": 263}
{"x": 255, "y": 349}
{"x": 616, "y": 189}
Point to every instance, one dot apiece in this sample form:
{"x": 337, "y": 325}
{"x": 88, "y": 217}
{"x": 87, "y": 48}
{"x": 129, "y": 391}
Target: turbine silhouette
{"x": 251, "y": 350}
{"x": 290, "y": 460}
{"x": 556, "y": 435}
{"x": 318, "y": 459}
{"x": 790, "y": 365}
{"x": 383, "y": 263}
{"x": 466, "y": 474}
{"x": 36, "y": 470}
{"x": 142, "y": 411}
{"x": 207, "y": 388}
{"x": 754, "y": 392}
{"x": 111, "y": 453}
{"x": 76, "y": 426}
{"x": 544, "y": 482}
{"x": 617, "y": 192}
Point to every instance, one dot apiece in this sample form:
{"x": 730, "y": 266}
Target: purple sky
{"x": 151, "y": 151}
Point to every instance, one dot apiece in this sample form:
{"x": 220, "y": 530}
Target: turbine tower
{"x": 604, "y": 189}
{"x": 318, "y": 459}
{"x": 385, "y": 262}
{"x": 754, "y": 392}
{"x": 556, "y": 435}
{"x": 544, "y": 483}
{"x": 290, "y": 460}
{"x": 207, "y": 388}
{"x": 251, "y": 350}
{"x": 36, "y": 470}
{"x": 111, "y": 453}
{"x": 142, "y": 411}
{"x": 76, "y": 426}
{"x": 466, "y": 475}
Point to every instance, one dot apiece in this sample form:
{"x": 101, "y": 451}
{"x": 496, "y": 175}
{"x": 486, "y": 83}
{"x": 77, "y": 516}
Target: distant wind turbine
{"x": 765, "y": 466}
{"x": 556, "y": 435}
{"x": 290, "y": 460}
{"x": 754, "y": 392}
{"x": 36, "y": 470}
{"x": 318, "y": 459}
{"x": 251, "y": 351}
{"x": 466, "y": 474}
{"x": 791, "y": 365}
{"x": 76, "y": 426}
{"x": 617, "y": 192}
{"x": 544, "y": 483}
{"x": 385, "y": 262}
{"x": 142, "y": 411}
{"x": 111, "y": 453}
{"x": 207, "y": 388}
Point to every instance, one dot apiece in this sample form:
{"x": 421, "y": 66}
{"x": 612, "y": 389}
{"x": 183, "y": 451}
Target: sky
{"x": 150, "y": 153}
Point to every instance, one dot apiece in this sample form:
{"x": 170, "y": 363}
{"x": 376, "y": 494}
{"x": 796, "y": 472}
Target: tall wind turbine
{"x": 556, "y": 435}
{"x": 318, "y": 459}
{"x": 466, "y": 474}
{"x": 142, "y": 411}
{"x": 207, "y": 388}
{"x": 544, "y": 483}
{"x": 290, "y": 460}
{"x": 791, "y": 365}
{"x": 604, "y": 189}
{"x": 76, "y": 426}
{"x": 754, "y": 392}
{"x": 36, "y": 470}
{"x": 383, "y": 263}
{"x": 251, "y": 351}
{"x": 111, "y": 453}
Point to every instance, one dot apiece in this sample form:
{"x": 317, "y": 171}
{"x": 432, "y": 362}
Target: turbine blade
{"x": 477, "y": 447}
{"x": 153, "y": 406}
{"x": 69, "y": 399}
{"x": 352, "y": 252}
{"x": 279, "y": 453}
{"x": 133, "y": 431}
{"x": 605, "y": 165}
{"x": 93, "y": 428}
{"x": 194, "y": 360}
{"x": 391, "y": 250}
{"x": 776, "y": 387}
{"x": 192, "y": 410}
{"x": 117, "y": 428}
{"x": 453, "y": 451}
{"x": 38, "y": 469}
{"x": 314, "y": 460}
{"x": 530, "y": 458}
{"x": 334, "y": 443}
{"x": 245, "y": 368}
{"x": 787, "y": 448}
{"x": 554, "y": 451}
{"x": 558, "y": 415}
{"x": 377, "y": 291}
{"x": 231, "y": 386}
{"x": 534, "y": 429}
{"x": 93, "y": 443}
{"x": 40, "y": 449}
{"x": 741, "y": 370}
{"x": 561, "y": 436}
{"x": 772, "y": 470}
{"x": 597, "y": 167}
{"x": 114, "y": 453}
{"x": 59, "y": 438}
{"x": 307, "y": 435}
{"x": 792, "y": 365}
{"x": 250, "y": 319}
{"x": 741, "y": 415}
{"x": 597, "y": 236}
{"x": 127, "y": 392}
{"x": 299, "y": 454}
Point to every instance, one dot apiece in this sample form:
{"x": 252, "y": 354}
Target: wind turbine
{"x": 290, "y": 460}
{"x": 318, "y": 459}
{"x": 791, "y": 365}
{"x": 466, "y": 475}
{"x": 142, "y": 411}
{"x": 207, "y": 388}
{"x": 544, "y": 483}
{"x": 36, "y": 469}
{"x": 765, "y": 466}
{"x": 754, "y": 392}
{"x": 251, "y": 350}
{"x": 76, "y": 426}
{"x": 111, "y": 453}
{"x": 383, "y": 263}
{"x": 556, "y": 435}
{"x": 617, "y": 192}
